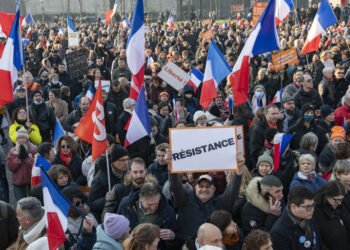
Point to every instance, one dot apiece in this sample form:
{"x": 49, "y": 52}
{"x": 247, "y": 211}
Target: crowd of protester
{"x": 304, "y": 204}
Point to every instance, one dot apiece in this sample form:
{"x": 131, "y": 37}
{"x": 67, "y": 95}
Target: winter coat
{"x": 60, "y": 111}
{"x": 301, "y": 180}
{"x": 327, "y": 91}
{"x": 257, "y": 138}
{"x": 342, "y": 114}
{"x": 99, "y": 188}
{"x": 74, "y": 167}
{"x": 21, "y": 169}
{"x": 313, "y": 97}
{"x": 326, "y": 159}
{"x": 256, "y": 212}
{"x": 317, "y": 72}
{"x": 104, "y": 242}
{"x": 71, "y": 119}
{"x": 166, "y": 218}
{"x": 44, "y": 118}
{"x": 329, "y": 222}
{"x": 160, "y": 172}
{"x": 111, "y": 118}
{"x": 122, "y": 121}
{"x": 32, "y": 239}
{"x": 192, "y": 212}
{"x": 117, "y": 99}
{"x": 286, "y": 235}
{"x": 8, "y": 225}
{"x": 34, "y": 135}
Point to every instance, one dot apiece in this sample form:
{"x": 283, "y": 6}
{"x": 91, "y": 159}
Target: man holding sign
{"x": 197, "y": 205}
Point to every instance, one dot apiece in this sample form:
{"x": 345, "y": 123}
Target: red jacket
{"x": 342, "y": 114}
{"x": 21, "y": 170}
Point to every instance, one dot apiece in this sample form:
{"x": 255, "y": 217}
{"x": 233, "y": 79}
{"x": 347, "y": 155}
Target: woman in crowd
{"x": 144, "y": 237}
{"x": 65, "y": 96}
{"x": 20, "y": 161}
{"x": 257, "y": 240}
{"x": 66, "y": 154}
{"x": 61, "y": 176}
{"x": 329, "y": 217}
{"x": 59, "y": 106}
{"x": 20, "y": 121}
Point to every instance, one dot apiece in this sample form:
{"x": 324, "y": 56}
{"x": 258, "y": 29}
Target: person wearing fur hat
{"x": 264, "y": 203}
{"x": 113, "y": 231}
{"x": 20, "y": 161}
{"x": 307, "y": 176}
{"x": 259, "y": 98}
{"x": 326, "y": 159}
{"x": 200, "y": 118}
{"x": 43, "y": 116}
{"x": 306, "y": 124}
{"x": 118, "y": 167}
{"x": 264, "y": 166}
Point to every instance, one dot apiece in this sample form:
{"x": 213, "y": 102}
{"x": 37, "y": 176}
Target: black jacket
{"x": 333, "y": 233}
{"x": 117, "y": 99}
{"x": 313, "y": 97}
{"x": 286, "y": 235}
{"x": 44, "y": 117}
{"x": 74, "y": 167}
{"x": 166, "y": 218}
{"x": 111, "y": 116}
{"x": 8, "y": 225}
{"x": 71, "y": 119}
{"x": 326, "y": 159}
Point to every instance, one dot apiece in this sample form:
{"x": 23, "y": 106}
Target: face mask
{"x": 259, "y": 95}
{"x": 54, "y": 81}
{"x": 38, "y": 102}
{"x": 308, "y": 118}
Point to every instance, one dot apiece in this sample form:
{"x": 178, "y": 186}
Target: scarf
{"x": 118, "y": 173}
{"x": 230, "y": 241}
{"x": 64, "y": 158}
{"x": 267, "y": 144}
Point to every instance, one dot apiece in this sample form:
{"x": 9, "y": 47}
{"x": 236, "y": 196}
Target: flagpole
{"x": 108, "y": 172}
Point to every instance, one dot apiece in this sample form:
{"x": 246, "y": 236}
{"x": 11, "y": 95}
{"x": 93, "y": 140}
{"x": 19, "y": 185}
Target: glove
{"x": 22, "y": 152}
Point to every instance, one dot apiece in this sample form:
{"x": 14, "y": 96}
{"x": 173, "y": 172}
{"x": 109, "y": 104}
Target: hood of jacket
{"x": 254, "y": 197}
{"x": 103, "y": 239}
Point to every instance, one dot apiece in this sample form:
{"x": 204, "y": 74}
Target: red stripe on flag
{"x": 276, "y": 157}
{"x": 6, "y": 95}
{"x": 55, "y": 233}
{"x": 137, "y": 82}
{"x": 240, "y": 82}
{"x": 209, "y": 92}
{"x": 312, "y": 45}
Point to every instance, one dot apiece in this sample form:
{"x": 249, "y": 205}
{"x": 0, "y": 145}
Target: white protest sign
{"x": 240, "y": 140}
{"x": 106, "y": 85}
{"x": 73, "y": 39}
{"x": 174, "y": 75}
{"x": 203, "y": 149}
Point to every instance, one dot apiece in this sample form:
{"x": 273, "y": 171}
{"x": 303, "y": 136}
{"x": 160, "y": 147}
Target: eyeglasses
{"x": 340, "y": 73}
{"x": 65, "y": 146}
{"x": 309, "y": 207}
{"x": 184, "y": 181}
{"x": 22, "y": 112}
{"x": 337, "y": 200}
{"x": 78, "y": 203}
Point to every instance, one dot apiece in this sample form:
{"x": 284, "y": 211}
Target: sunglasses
{"x": 184, "y": 181}
{"x": 78, "y": 203}
{"x": 65, "y": 146}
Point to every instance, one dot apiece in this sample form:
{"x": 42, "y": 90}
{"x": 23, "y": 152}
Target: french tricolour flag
{"x": 170, "y": 21}
{"x": 135, "y": 50}
{"x": 115, "y": 8}
{"x": 216, "y": 69}
{"x": 11, "y": 62}
{"x": 56, "y": 211}
{"x": 140, "y": 125}
{"x": 90, "y": 93}
{"x": 262, "y": 39}
{"x": 278, "y": 96}
{"x": 280, "y": 145}
{"x": 28, "y": 19}
{"x": 126, "y": 22}
{"x": 70, "y": 25}
{"x": 195, "y": 79}
{"x": 283, "y": 7}
{"x": 40, "y": 163}
{"x": 324, "y": 18}
{"x": 59, "y": 131}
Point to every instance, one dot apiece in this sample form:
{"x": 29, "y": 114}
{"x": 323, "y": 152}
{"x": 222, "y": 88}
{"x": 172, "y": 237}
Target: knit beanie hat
{"x": 307, "y": 107}
{"x": 198, "y": 114}
{"x": 118, "y": 152}
{"x": 326, "y": 110}
{"x": 265, "y": 158}
{"x": 337, "y": 131}
{"x": 115, "y": 225}
{"x": 22, "y": 133}
{"x": 37, "y": 92}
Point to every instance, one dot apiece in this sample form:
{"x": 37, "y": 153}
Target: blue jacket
{"x": 313, "y": 185}
{"x": 104, "y": 242}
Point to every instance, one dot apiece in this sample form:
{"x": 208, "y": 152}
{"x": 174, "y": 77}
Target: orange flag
{"x": 108, "y": 16}
{"x": 92, "y": 127}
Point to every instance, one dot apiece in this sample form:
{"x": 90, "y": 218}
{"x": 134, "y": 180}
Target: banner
{"x": 258, "y": 9}
{"x": 77, "y": 64}
{"x": 207, "y": 35}
{"x": 174, "y": 75}
{"x": 106, "y": 85}
{"x": 73, "y": 39}
{"x": 203, "y": 149}
{"x": 282, "y": 58}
